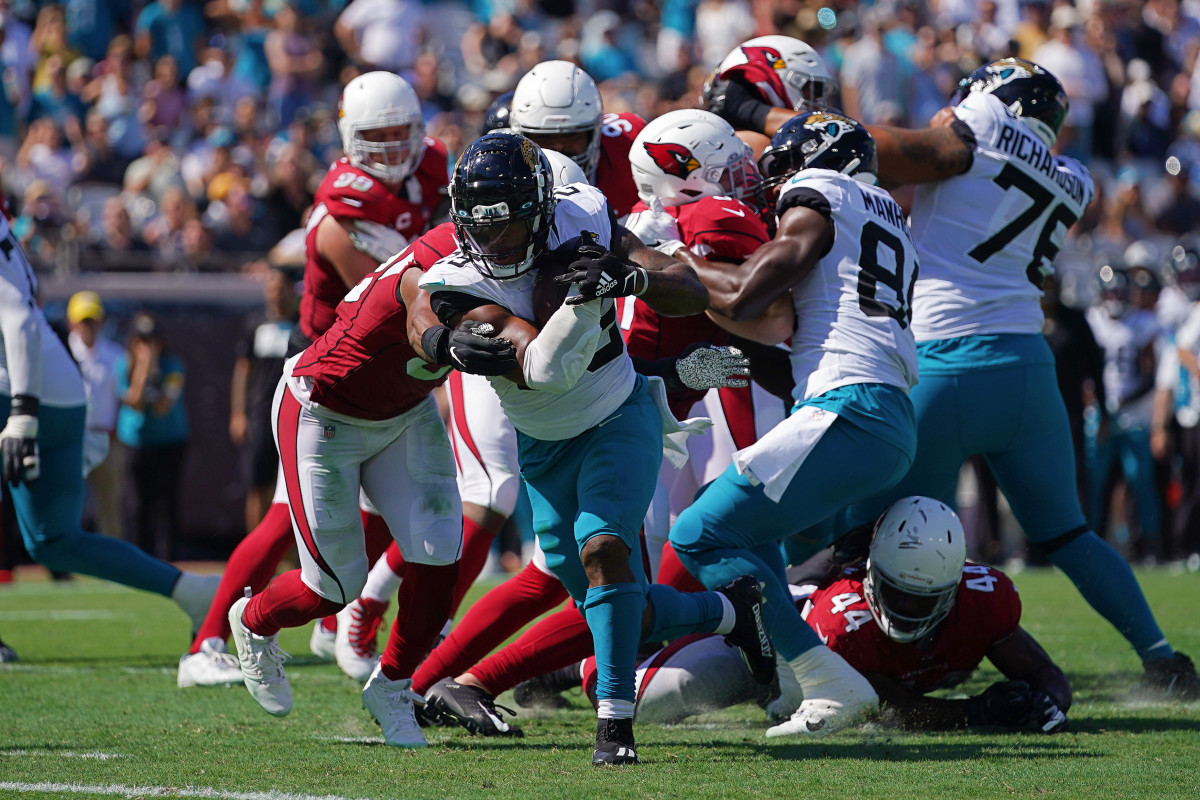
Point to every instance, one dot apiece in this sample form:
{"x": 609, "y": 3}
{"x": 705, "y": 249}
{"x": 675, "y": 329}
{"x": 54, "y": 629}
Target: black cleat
{"x": 1174, "y": 677}
{"x": 470, "y": 707}
{"x": 545, "y": 691}
{"x": 7, "y": 655}
{"x": 614, "y": 743}
{"x": 749, "y": 634}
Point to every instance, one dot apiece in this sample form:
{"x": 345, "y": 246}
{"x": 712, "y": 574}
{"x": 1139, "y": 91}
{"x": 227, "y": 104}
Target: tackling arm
{"x": 335, "y": 245}
{"x": 1021, "y": 658}
{"x": 673, "y": 289}
{"x": 943, "y": 150}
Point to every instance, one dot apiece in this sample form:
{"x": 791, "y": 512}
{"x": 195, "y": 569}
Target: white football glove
{"x": 706, "y": 366}
{"x": 653, "y": 227}
{"x": 19, "y": 447}
{"x": 380, "y": 242}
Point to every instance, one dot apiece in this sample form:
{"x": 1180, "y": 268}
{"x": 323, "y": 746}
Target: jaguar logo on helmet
{"x": 673, "y": 159}
{"x": 764, "y": 56}
{"x": 833, "y": 125}
{"x": 529, "y": 151}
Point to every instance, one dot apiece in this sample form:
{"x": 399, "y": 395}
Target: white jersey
{"x": 552, "y": 416}
{"x": 852, "y": 312}
{"x": 33, "y": 360}
{"x": 986, "y": 238}
{"x": 1123, "y": 341}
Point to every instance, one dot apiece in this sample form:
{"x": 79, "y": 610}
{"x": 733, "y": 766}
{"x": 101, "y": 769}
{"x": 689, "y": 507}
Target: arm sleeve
{"x": 809, "y": 198}
{"x": 557, "y": 358}
{"x": 22, "y": 334}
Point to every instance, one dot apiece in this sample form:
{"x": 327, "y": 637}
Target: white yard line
{"x": 160, "y": 791}
{"x": 61, "y": 754}
{"x": 57, "y": 615}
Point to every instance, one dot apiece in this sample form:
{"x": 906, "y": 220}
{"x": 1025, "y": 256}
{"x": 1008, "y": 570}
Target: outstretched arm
{"x": 943, "y": 150}
{"x": 673, "y": 289}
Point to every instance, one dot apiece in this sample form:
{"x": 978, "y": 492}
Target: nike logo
{"x": 454, "y": 355}
{"x": 438, "y": 282}
{"x": 735, "y": 211}
{"x": 610, "y": 419}
{"x": 824, "y": 639}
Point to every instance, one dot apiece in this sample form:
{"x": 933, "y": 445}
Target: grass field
{"x": 92, "y": 708}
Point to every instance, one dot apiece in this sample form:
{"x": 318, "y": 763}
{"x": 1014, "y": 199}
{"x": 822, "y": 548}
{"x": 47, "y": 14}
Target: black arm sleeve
{"x": 968, "y": 138}
{"x": 812, "y": 199}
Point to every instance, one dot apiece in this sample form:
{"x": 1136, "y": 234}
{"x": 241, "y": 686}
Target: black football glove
{"x": 598, "y": 273}
{"x": 738, "y": 105}
{"x": 472, "y": 348}
{"x": 18, "y": 442}
{"x": 1015, "y": 704}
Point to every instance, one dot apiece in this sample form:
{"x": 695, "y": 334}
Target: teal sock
{"x": 679, "y": 613}
{"x": 614, "y": 615}
{"x": 1106, "y": 581}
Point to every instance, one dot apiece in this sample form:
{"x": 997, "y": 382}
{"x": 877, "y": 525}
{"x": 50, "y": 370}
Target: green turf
{"x": 99, "y": 678}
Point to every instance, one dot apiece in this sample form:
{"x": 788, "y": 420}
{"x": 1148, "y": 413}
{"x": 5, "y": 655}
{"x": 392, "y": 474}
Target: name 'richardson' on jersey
{"x": 1029, "y": 149}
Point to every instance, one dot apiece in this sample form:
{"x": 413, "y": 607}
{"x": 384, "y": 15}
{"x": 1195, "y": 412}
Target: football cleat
{"x": 471, "y": 707}
{"x": 749, "y": 634}
{"x": 393, "y": 705}
{"x": 358, "y": 627}
{"x": 836, "y": 696}
{"x": 322, "y": 640}
{"x": 545, "y": 691}
{"x": 1174, "y": 677}
{"x": 7, "y": 654}
{"x": 261, "y": 662}
{"x": 614, "y": 743}
{"x": 212, "y": 666}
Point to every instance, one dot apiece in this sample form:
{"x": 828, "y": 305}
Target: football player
{"x": 991, "y": 211}
{"x": 913, "y": 619}
{"x": 42, "y": 455}
{"x": 840, "y": 272}
{"x": 387, "y": 188}
{"x": 557, "y": 105}
{"x": 354, "y": 412}
{"x": 590, "y": 430}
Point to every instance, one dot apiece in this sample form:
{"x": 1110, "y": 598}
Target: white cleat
{"x": 790, "y": 693}
{"x": 194, "y": 594}
{"x": 261, "y": 663}
{"x": 355, "y": 648}
{"x": 836, "y": 696}
{"x": 322, "y": 641}
{"x": 391, "y": 703}
{"x": 212, "y": 666}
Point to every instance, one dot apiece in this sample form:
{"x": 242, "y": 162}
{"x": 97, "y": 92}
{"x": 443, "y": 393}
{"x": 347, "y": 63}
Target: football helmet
{"x": 914, "y": 566}
{"x": 557, "y": 98}
{"x": 688, "y": 154}
{"x": 563, "y": 168}
{"x": 819, "y": 140}
{"x": 1029, "y": 91}
{"x": 787, "y": 72}
{"x": 497, "y": 113}
{"x": 502, "y": 203}
{"x": 374, "y": 101}
{"x": 1115, "y": 289}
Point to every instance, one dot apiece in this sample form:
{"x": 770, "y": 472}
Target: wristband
{"x": 24, "y": 405}
{"x": 759, "y": 115}
{"x": 435, "y": 341}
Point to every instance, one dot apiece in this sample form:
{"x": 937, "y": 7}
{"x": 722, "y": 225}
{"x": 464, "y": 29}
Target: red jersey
{"x": 614, "y": 178}
{"x": 986, "y": 610}
{"x": 363, "y": 366}
{"x": 719, "y": 229}
{"x": 348, "y": 192}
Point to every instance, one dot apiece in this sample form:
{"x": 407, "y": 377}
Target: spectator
{"x": 381, "y": 34}
{"x": 40, "y": 227}
{"x": 1034, "y": 29}
{"x": 170, "y": 28}
{"x": 97, "y": 357}
{"x": 93, "y": 159}
{"x": 1181, "y": 211}
{"x": 295, "y": 65}
{"x": 244, "y": 236}
{"x": 152, "y": 425}
{"x": 156, "y": 172}
{"x": 260, "y": 355}
{"x": 54, "y": 100}
{"x": 1081, "y": 74}
{"x": 117, "y": 245}
{"x": 15, "y": 90}
{"x": 42, "y": 156}
{"x": 49, "y": 40}
{"x": 196, "y": 250}
{"x": 294, "y": 175}
{"x": 164, "y": 101}
{"x": 164, "y": 233}
{"x": 721, "y": 25}
{"x": 91, "y": 24}
{"x": 602, "y": 58}
{"x": 872, "y": 75}
{"x": 114, "y": 94}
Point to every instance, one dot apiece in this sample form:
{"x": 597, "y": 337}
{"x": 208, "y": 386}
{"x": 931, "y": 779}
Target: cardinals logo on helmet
{"x": 764, "y": 56}
{"x": 673, "y": 159}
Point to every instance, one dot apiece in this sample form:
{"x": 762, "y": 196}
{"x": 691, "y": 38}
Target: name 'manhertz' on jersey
{"x": 887, "y": 209}
{"x": 1030, "y": 150}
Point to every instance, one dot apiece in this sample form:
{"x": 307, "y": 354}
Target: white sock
{"x": 614, "y": 709}
{"x": 382, "y": 583}
{"x": 728, "y": 615}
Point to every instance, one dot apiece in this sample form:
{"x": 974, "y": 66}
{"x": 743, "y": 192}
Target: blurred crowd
{"x": 180, "y": 135}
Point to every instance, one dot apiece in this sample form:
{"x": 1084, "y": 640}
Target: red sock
{"x": 499, "y": 614}
{"x": 378, "y": 538}
{"x": 287, "y": 603}
{"x": 477, "y": 541}
{"x": 252, "y": 563}
{"x": 558, "y": 640}
{"x": 671, "y": 572}
{"x": 394, "y": 558}
{"x": 415, "y": 628}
